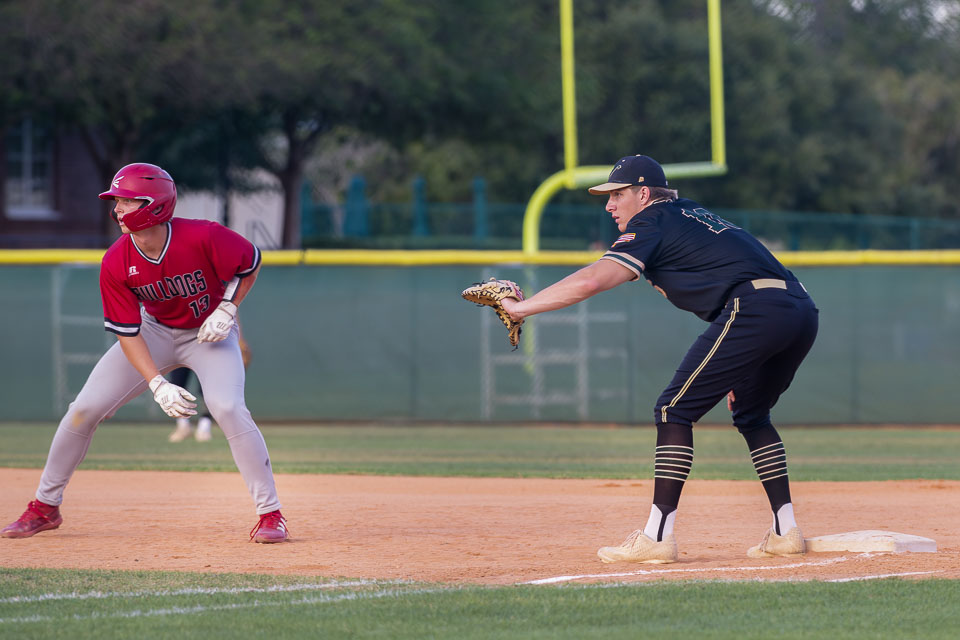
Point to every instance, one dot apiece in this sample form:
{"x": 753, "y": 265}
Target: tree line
{"x": 831, "y": 105}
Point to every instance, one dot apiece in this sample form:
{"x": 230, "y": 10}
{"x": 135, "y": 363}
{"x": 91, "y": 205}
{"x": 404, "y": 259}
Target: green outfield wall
{"x": 387, "y": 342}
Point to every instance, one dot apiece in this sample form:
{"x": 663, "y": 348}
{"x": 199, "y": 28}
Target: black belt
{"x": 766, "y": 283}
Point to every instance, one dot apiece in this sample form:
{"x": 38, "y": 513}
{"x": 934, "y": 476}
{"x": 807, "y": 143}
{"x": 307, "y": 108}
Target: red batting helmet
{"x": 147, "y": 182}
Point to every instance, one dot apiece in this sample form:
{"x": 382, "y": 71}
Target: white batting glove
{"x": 218, "y": 324}
{"x": 175, "y": 401}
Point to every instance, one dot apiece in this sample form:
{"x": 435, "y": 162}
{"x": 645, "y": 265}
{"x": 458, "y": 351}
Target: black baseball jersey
{"x": 692, "y": 256}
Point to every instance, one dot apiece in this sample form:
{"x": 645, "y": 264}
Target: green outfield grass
{"x": 98, "y": 604}
{"x": 833, "y": 454}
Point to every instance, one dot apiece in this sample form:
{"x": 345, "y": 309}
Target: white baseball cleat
{"x": 204, "y": 432}
{"x": 789, "y": 544}
{"x": 183, "y": 431}
{"x": 638, "y": 547}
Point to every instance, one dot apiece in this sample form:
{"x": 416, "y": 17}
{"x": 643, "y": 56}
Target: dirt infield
{"x": 468, "y": 530}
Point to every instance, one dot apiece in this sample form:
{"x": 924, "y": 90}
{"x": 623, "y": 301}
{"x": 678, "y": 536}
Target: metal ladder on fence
{"x": 534, "y": 357}
{"x": 63, "y": 357}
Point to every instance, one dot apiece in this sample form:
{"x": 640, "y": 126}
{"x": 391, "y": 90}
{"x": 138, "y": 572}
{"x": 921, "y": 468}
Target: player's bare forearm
{"x": 245, "y": 285}
{"x": 577, "y": 287}
{"x": 135, "y": 348}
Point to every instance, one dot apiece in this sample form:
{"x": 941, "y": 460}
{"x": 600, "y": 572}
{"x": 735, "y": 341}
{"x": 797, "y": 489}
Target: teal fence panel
{"x": 398, "y": 343}
{"x": 487, "y": 225}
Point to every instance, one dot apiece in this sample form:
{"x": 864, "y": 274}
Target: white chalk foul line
{"x": 179, "y": 611}
{"x": 884, "y": 575}
{"x": 654, "y": 572}
{"x": 192, "y": 591}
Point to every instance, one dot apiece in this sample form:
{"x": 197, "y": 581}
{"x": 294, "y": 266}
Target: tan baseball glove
{"x": 490, "y": 294}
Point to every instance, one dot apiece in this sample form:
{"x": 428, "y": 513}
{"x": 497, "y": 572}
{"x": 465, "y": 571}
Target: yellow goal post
{"x": 573, "y": 176}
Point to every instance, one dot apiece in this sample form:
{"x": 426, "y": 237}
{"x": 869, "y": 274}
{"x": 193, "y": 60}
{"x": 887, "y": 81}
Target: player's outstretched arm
{"x": 576, "y": 287}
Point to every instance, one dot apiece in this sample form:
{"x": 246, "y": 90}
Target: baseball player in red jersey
{"x": 170, "y": 290}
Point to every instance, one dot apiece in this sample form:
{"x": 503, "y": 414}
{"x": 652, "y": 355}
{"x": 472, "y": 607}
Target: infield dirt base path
{"x": 468, "y": 530}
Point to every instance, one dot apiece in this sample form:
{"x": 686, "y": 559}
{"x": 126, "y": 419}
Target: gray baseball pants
{"x": 114, "y": 382}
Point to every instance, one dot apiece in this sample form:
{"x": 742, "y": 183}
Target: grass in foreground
{"x": 834, "y": 454}
{"x": 100, "y": 605}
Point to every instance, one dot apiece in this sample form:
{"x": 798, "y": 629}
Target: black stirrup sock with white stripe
{"x": 672, "y": 462}
{"x": 770, "y": 460}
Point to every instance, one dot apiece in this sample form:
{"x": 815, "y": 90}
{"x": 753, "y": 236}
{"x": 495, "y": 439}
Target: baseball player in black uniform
{"x": 762, "y": 324}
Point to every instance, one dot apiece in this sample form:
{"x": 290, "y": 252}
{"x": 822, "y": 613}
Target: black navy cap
{"x": 632, "y": 171}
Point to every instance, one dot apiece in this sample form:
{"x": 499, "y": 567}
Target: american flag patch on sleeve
{"x": 627, "y": 237}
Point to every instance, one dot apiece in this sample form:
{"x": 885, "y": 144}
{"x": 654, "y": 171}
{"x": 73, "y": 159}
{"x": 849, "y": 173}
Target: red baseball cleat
{"x": 38, "y": 517}
{"x": 271, "y": 528}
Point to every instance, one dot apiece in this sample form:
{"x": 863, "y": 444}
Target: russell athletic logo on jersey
{"x": 184, "y": 286}
{"x": 627, "y": 237}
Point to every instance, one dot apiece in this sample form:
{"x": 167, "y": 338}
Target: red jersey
{"x": 200, "y": 265}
